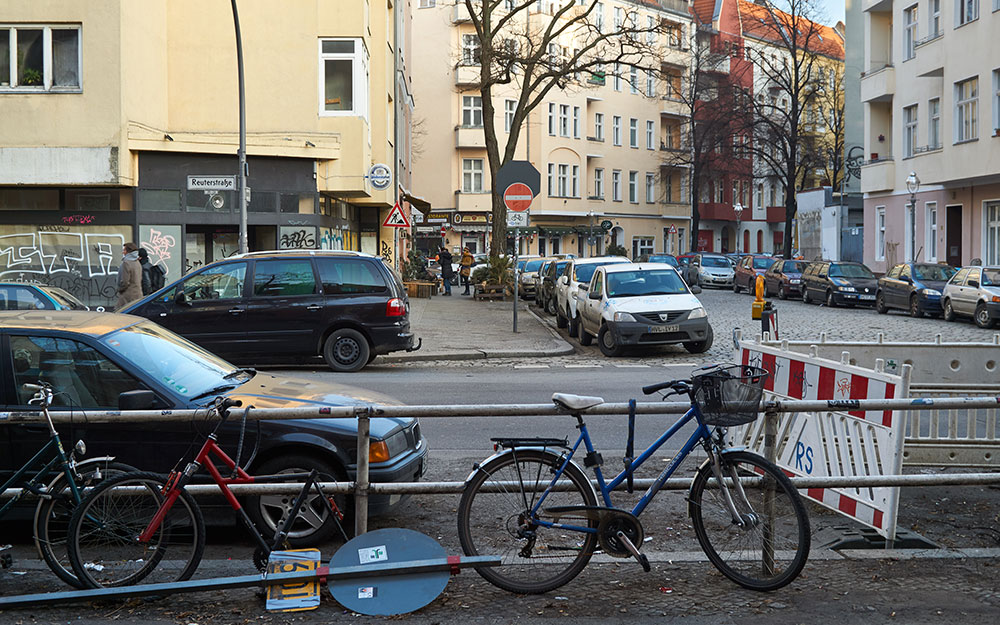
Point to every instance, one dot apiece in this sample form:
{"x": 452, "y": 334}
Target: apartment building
{"x": 931, "y": 94}
{"x": 108, "y": 108}
{"x": 599, "y": 143}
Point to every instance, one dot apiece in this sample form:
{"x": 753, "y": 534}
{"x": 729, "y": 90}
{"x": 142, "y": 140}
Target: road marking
{"x": 531, "y": 366}
{"x": 681, "y": 364}
{"x": 583, "y": 366}
{"x": 632, "y": 366}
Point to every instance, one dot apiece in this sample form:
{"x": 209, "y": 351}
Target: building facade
{"x": 110, "y": 108}
{"x": 931, "y": 94}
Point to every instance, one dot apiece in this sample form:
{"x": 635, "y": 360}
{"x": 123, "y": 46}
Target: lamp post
{"x": 241, "y": 188}
{"x": 590, "y": 236}
{"x": 913, "y": 185}
{"x": 738, "y": 210}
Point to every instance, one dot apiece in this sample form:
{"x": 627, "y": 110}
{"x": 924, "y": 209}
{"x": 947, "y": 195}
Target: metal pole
{"x": 361, "y": 484}
{"x": 517, "y": 241}
{"x": 242, "y": 153}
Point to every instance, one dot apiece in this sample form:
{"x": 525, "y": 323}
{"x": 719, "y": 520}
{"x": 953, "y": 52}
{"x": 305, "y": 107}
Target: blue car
{"x": 24, "y": 296}
{"x": 913, "y": 287}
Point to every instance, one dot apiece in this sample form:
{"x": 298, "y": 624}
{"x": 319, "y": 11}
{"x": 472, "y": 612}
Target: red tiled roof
{"x": 704, "y": 10}
{"x": 759, "y": 22}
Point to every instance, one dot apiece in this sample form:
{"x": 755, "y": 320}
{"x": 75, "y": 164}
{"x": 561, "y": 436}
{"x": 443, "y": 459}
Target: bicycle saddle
{"x": 575, "y": 402}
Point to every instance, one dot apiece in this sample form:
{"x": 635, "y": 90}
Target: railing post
{"x": 361, "y": 483}
{"x": 771, "y": 453}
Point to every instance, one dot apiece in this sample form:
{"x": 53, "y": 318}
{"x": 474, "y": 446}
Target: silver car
{"x": 974, "y": 292}
{"x": 710, "y": 270}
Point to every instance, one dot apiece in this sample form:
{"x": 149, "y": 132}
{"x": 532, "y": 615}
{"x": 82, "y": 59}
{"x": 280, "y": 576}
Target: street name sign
{"x": 211, "y": 183}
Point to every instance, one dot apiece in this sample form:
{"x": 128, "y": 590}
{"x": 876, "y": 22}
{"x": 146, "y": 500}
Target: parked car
{"x": 669, "y": 259}
{"x": 25, "y": 296}
{"x": 642, "y": 304}
{"x": 707, "y": 269}
{"x": 974, "y": 292}
{"x": 347, "y": 307}
{"x": 547, "y": 287}
{"x": 578, "y": 271}
{"x": 839, "y": 283}
{"x": 747, "y": 270}
{"x": 784, "y": 278}
{"x": 914, "y": 287}
{"x": 528, "y": 272}
{"x": 91, "y": 359}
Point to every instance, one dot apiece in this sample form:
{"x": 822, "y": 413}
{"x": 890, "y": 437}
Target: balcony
{"x": 775, "y": 215}
{"x": 929, "y": 58}
{"x": 473, "y": 202}
{"x": 877, "y": 6}
{"x": 878, "y": 175}
{"x": 470, "y": 137}
{"x": 467, "y": 75}
{"x": 460, "y": 13}
{"x": 878, "y": 85}
{"x": 670, "y": 107}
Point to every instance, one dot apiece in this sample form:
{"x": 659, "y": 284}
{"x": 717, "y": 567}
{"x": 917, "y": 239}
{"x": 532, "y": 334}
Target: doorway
{"x": 953, "y": 235}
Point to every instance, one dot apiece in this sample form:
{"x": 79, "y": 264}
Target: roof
{"x": 637, "y": 267}
{"x": 705, "y": 11}
{"x": 79, "y": 321}
{"x": 759, "y": 22}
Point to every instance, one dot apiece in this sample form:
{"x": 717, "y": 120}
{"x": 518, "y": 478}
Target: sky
{"x": 834, "y": 11}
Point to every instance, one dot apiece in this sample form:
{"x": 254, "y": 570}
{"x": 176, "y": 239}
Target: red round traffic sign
{"x": 517, "y": 197}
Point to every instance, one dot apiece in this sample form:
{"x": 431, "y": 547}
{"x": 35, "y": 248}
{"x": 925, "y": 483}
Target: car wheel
{"x": 585, "y": 337}
{"x": 574, "y": 325}
{"x": 314, "y": 524}
{"x": 700, "y": 347}
{"x": 915, "y": 307}
{"x": 606, "y": 341}
{"x": 782, "y": 294}
{"x": 829, "y": 300}
{"x": 983, "y": 318}
{"x": 736, "y": 287}
{"x": 880, "y": 304}
{"x": 346, "y": 350}
{"x": 805, "y": 295}
{"x": 561, "y": 322}
{"x": 949, "y": 312}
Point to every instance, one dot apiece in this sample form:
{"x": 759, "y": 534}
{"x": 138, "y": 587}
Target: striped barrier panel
{"x": 839, "y": 442}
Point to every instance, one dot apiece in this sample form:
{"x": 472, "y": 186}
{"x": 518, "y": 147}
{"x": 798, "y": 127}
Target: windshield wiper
{"x": 216, "y": 390}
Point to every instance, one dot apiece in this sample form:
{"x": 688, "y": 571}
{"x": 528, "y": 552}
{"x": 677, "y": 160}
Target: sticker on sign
{"x": 517, "y": 220}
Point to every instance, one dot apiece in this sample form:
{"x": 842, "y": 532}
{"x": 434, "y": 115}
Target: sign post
{"x": 517, "y": 198}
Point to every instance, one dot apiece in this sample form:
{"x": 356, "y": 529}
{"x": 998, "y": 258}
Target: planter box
{"x": 420, "y": 289}
{"x": 486, "y": 291}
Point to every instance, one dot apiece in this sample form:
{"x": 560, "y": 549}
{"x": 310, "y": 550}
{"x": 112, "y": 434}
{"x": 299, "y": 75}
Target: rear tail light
{"x": 395, "y": 308}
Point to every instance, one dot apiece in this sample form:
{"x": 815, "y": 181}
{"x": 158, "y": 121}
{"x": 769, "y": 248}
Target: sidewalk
{"x": 460, "y": 328}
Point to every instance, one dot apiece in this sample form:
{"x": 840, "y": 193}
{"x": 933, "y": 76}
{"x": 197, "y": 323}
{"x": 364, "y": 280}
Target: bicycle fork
{"x": 744, "y": 521}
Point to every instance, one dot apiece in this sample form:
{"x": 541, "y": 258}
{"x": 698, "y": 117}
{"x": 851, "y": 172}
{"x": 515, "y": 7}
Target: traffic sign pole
{"x": 517, "y": 278}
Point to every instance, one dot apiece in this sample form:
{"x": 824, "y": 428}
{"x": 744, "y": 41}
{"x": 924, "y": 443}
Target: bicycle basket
{"x": 730, "y": 395}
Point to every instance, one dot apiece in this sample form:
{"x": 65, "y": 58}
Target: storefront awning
{"x": 555, "y": 230}
{"x": 470, "y": 228}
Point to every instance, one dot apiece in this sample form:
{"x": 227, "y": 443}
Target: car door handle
{"x": 236, "y": 311}
{"x": 314, "y": 307}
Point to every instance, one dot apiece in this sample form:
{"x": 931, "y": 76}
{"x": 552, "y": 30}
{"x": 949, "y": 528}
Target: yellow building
{"x": 110, "y": 108}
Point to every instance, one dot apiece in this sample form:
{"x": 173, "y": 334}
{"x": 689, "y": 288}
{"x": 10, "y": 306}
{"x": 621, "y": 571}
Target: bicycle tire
{"x": 103, "y": 548}
{"x": 488, "y": 522}
{"x": 53, "y": 514}
{"x": 739, "y": 553}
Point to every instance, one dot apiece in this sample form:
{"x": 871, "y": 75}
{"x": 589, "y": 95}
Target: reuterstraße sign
{"x": 211, "y": 183}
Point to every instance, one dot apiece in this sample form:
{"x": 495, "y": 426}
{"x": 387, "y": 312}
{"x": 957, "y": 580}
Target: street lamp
{"x": 738, "y": 210}
{"x": 913, "y": 185}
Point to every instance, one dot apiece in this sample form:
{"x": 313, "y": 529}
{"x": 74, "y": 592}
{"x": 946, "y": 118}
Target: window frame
{"x": 564, "y": 120}
{"x": 909, "y": 130}
{"x": 470, "y": 109}
{"x": 931, "y": 231}
{"x": 650, "y": 135}
{"x": 360, "y": 64}
{"x": 650, "y": 188}
{"x": 472, "y": 172}
{"x": 963, "y": 16}
{"x": 934, "y": 123}
{"x": 633, "y": 187}
{"x": 910, "y": 21}
{"x": 616, "y": 130}
{"x": 616, "y": 185}
{"x": 48, "y": 59}
{"x": 599, "y": 126}
{"x": 599, "y": 183}
{"x": 964, "y": 105}
{"x": 880, "y": 233}
{"x": 633, "y": 133}
{"x": 509, "y": 108}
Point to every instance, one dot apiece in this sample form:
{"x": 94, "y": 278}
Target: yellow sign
{"x": 293, "y": 596}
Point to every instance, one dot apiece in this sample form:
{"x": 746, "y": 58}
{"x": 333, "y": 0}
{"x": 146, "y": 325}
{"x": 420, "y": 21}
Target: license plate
{"x": 661, "y": 329}
{"x": 867, "y": 296}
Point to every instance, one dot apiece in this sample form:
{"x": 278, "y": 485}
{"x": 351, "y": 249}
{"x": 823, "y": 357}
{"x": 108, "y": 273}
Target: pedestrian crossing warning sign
{"x": 396, "y": 218}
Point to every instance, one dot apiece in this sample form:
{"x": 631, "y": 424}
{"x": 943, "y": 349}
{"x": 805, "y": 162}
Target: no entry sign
{"x": 517, "y": 197}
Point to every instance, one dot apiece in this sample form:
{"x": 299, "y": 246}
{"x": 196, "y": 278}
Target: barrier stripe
{"x": 767, "y": 362}
{"x": 796, "y": 371}
{"x": 890, "y": 392}
{"x": 826, "y": 383}
{"x": 859, "y": 390}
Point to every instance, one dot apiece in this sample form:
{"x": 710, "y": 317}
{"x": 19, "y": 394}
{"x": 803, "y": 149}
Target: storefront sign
{"x": 380, "y": 176}
{"x": 438, "y": 218}
{"x": 461, "y": 218}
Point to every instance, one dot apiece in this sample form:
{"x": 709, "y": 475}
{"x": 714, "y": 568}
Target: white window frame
{"x": 576, "y": 122}
{"x": 619, "y": 17}
{"x": 509, "y": 107}
{"x": 552, "y": 119}
{"x": 472, "y": 175}
{"x": 910, "y": 17}
{"x": 599, "y": 17}
{"x": 633, "y": 79}
{"x": 633, "y": 187}
{"x": 618, "y": 77}
{"x": 574, "y": 181}
{"x": 472, "y": 110}
{"x": 931, "y": 231}
{"x": 470, "y": 46}
{"x": 359, "y": 69}
{"x": 551, "y": 179}
{"x": 991, "y": 232}
{"x": 966, "y": 11}
{"x": 967, "y": 110}
{"x": 934, "y": 18}
{"x": 650, "y": 135}
{"x": 760, "y": 195}
{"x": 616, "y": 130}
{"x": 599, "y": 126}
{"x": 996, "y": 97}
{"x": 909, "y": 130}
{"x": 643, "y": 244}
{"x": 633, "y": 133}
{"x": 650, "y": 188}
{"x": 9, "y": 83}
{"x": 562, "y": 180}
{"x": 599, "y": 183}
{"x": 668, "y": 189}
{"x": 616, "y": 185}
{"x": 880, "y": 233}
{"x": 563, "y": 120}
{"x": 650, "y": 84}
{"x": 651, "y": 28}
{"x": 427, "y": 4}
{"x": 934, "y": 123}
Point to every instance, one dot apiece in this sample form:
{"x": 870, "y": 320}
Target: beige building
{"x": 598, "y": 143}
{"x": 108, "y": 108}
{"x": 931, "y": 95}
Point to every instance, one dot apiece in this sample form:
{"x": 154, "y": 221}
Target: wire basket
{"x": 729, "y": 395}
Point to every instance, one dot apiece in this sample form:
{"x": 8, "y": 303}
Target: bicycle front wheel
{"x": 104, "y": 546}
{"x": 768, "y": 545}
{"x": 495, "y": 519}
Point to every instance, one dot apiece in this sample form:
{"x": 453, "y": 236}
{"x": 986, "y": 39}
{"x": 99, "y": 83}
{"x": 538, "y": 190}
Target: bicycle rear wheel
{"x": 770, "y": 547}
{"x": 103, "y": 537}
{"x": 494, "y": 519}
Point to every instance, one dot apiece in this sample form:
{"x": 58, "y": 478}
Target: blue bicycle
{"x": 533, "y": 505}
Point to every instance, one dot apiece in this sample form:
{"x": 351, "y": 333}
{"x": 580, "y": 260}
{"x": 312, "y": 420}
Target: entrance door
{"x": 953, "y": 235}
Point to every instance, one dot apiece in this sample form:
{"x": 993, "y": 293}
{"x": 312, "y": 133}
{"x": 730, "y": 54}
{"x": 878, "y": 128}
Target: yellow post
{"x": 757, "y": 307}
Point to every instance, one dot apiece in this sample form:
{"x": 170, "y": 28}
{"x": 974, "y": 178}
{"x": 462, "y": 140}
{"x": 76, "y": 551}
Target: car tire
{"x": 948, "y": 312}
{"x": 609, "y": 346}
{"x": 550, "y": 306}
{"x": 265, "y": 510}
{"x": 561, "y": 322}
{"x": 782, "y": 294}
{"x": 805, "y": 295}
{"x": 700, "y": 347}
{"x": 983, "y": 318}
{"x": 830, "y": 302}
{"x": 736, "y": 286}
{"x": 880, "y": 304}
{"x": 915, "y": 307}
{"x": 574, "y": 325}
{"x": 346, "y": 350}
{"x": 585, "y": 338}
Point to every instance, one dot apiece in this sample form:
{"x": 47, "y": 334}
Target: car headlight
{"x": 930, "y": 292}
{"x": 846, "y": 289}
{"x": 697, "y": 313}
{"x": 624, "y": 316}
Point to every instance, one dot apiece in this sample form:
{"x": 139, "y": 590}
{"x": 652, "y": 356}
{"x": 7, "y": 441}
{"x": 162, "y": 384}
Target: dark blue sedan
{"x": 913, "y": 287}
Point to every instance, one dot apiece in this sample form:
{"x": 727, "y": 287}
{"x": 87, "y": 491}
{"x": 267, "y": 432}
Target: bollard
{"x": 361, "y": 484}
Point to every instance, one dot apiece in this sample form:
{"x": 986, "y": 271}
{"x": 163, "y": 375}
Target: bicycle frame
{"x": 54, "y": 449}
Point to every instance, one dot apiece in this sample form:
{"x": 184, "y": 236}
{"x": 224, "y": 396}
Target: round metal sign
{"x": 606, "y": 224}
{"x": 380, "y": 176}
{"x": 518, "y": 197}
{"x": 388, "y": 594}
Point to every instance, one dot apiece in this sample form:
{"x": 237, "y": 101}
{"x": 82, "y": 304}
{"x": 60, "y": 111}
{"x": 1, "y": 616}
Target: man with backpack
{"x": 152, "y": 275}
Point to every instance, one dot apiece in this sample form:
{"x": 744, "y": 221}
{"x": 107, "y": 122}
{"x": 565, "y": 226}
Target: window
{"x": 563, "y": 120}
{"x": 575, "y": 181}
{"x": 966, "y": 11}
{"x": 934, "y": 24}
{"x": 472, "y": 111}
{"x": 996, "y": 98}
{"x": 619, "y": 14}
{"x": 220, "y": 282}
{"x": 934, "y": 123}
{"x": 641, "y": 245}
{"x": 992, "y": 238}
{"x": 633, "y": 132}
{"x": 720, "y": 192}
{"x": 880, "y": 233}
{"x": 509, "y": 106}
{"x": 633, "y": 187}
{"x": 668, "y": 188}
{"x": 616, "y": 130}
{"x": 618, "y": 77}
{"x": 931, "y": 231}
{"x": 651, "y": 28}
{"x": 616, "y": 185}
{"x": 650, "y": 84}
{"x": 966, "y": 109}
{"x": 427, "y": 4}
{"x": 633, "y": 80}
{"x": 344, "y": 64}
{"x": 471, "y": 50}
{"x": 909, "y": 130}
{"x": 599, "y": 126}
{"x": 19, "y": 298}
{"x": 599, "y": 17}
{"x": 472, "y": 175}
{"x": 552, "y": 119}
{"x": 760, "y": 195}
{"x": 40, "y": 58}
{"x": 650, "y": 133}
{"x": 650, "y": 188}
{"x": 561, "y": 180}
{"x": 552, "y": 179}
{"x": 909, "y": 32}
{"x": 576, "y": 122}
{"x": 599, "y": 183}
{"x": 283, "y": 278}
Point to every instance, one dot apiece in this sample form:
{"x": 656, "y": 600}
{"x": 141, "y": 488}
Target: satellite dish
{"x": 217, "y": 201}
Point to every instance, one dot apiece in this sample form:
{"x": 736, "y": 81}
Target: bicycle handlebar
{"x": 223, "y": 404}
{"x": 678, "y": 386}
{"x": 652, "y": 388}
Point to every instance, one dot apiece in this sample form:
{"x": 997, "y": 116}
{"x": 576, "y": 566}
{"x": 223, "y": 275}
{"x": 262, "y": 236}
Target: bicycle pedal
{"x": 644, "y": 562}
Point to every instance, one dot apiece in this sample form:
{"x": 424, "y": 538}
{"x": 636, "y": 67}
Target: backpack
{"x": 156, "y": 278}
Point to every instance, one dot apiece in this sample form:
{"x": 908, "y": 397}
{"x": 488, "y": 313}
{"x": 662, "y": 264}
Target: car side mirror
{"x": 181, "y": 299}
{"x": 564, "y": 280}
{"x": 907, "y": 279}
{"x": 695, "y": 289}
{"x": 594, "y": 295}
{"x": 136, "y": 400}
{"x": 584, "y": 287}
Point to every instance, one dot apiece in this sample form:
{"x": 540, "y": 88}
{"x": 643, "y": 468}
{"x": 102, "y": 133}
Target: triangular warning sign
{"x": 396, "y": 218}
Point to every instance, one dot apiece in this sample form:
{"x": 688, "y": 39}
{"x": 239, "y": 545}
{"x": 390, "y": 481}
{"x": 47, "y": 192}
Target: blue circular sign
{"x": 380, "y": 176}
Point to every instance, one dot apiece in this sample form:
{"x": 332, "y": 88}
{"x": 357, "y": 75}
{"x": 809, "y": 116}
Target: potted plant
{"x": 31, "y": 77}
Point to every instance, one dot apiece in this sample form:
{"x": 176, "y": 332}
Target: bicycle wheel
{"x": 52, "y": 515}
{"x": 494, "y": 519}
{"x": 770, "y": 547}
{"x": 103, "y": 545}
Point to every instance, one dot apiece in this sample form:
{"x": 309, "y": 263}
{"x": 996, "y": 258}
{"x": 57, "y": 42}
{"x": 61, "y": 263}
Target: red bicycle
{"x": 142, "y": 526}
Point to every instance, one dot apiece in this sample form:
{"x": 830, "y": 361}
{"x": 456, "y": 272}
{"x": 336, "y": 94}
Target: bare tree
{"x": 560, "y": 47}
{"x": 834, "y": 125}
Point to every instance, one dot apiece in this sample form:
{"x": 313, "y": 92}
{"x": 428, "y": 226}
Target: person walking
{"x": 146, "y": 269}
{"x": 444, "y": 259}
{"x": 129, "y": 276}
{"x": 466, "y": 272}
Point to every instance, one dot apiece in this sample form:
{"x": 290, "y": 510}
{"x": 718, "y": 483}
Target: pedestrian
{"x": 466, "y": 272}
{"x": 129, "y": 276}
{"x": 146, "y": 269}
{"x": 444, "y": 259}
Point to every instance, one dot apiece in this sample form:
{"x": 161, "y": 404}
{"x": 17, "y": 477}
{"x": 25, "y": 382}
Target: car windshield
{"x": 66, "y": 300}
{"x": 187, "y": 369}
{"x": 649, "y": 282}
{"x": 561, "y": 267}
{"x": 533, "y": 265}
{"x": 934, "y": 272}
{"x": 991, "y": 277}
{"x": 850, "y": 270}
{"x": 583, "y": 273}
{"x": 520, "y": 265}
{"x": 793, "y": 266}
{"x": 714, "y": 261}
{"x": 762, "y": 263}
{"x": 664, "y": 258}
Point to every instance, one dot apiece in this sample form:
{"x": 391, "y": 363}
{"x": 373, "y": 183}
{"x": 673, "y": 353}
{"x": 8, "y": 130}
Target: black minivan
{"x": 345, "y": 306}
{"x": 839, "y": 283}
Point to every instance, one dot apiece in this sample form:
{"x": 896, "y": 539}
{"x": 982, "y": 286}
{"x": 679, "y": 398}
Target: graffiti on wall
{"x": 387, "y": 253}
{"x": 297, "y": 237}
{"x": 162, "y": 243}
